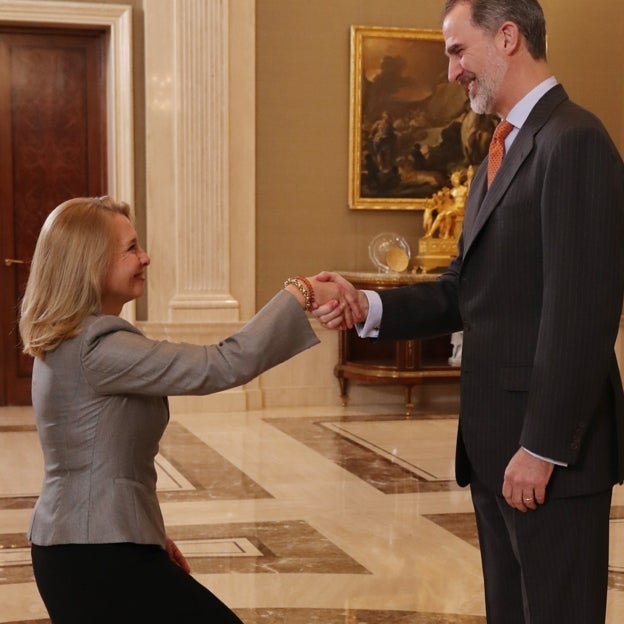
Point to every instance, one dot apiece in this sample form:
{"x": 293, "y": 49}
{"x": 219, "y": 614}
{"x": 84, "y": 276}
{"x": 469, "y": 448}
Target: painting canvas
{"x": 409, "y": 127}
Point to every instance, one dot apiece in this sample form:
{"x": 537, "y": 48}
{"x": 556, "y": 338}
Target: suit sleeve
{"x": 422, "y": 310}
{"x": 118, "y": 359}
{"x": 582, "y": 216}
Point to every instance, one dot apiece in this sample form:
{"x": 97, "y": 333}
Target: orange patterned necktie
{"x": 497, "y": 148}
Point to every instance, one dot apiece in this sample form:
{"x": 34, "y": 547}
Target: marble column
{"x": 188, "y": 123}
{"x": 200, "y": 150}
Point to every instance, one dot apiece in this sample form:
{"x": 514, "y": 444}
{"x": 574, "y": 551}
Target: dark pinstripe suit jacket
{"x": 537, "y": 289}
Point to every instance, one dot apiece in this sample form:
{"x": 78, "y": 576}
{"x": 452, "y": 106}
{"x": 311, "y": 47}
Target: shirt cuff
{"x": 547, "y": 459}
{"x": 370, "y": 327}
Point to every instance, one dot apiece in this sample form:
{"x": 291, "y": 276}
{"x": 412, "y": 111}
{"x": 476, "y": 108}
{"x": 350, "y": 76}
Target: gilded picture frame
{"x": 410, "y": 128}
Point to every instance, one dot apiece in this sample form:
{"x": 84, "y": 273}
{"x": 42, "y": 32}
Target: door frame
{"x": 116, "y": 20}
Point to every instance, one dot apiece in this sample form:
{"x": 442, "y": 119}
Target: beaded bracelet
{"x": 301, "y": 287}
{"x": 306, "y": 281}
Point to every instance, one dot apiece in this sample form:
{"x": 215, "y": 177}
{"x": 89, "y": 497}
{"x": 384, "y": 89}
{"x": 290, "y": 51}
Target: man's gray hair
{"x": 526, "y": 14}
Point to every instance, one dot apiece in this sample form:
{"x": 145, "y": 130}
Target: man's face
{"x": 475, "y": 61}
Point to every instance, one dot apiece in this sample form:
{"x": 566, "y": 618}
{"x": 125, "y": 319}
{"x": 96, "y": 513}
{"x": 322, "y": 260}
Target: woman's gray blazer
{"x": 100, "y": 402}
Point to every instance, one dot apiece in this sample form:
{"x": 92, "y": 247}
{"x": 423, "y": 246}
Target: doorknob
{"x": 10, "y": 261}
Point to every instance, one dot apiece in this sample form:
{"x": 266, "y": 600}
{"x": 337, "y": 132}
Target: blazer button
{"x": 467, "y": 327}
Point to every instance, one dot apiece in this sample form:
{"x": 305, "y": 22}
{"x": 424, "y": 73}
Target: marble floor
{"x": 299, "y": 516}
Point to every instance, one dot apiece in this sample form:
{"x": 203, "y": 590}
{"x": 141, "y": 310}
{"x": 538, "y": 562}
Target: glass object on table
{"x": 389, "y": 252}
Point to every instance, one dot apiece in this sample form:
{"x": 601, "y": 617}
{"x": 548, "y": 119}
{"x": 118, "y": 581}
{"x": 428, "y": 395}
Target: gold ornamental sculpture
{"x": 442, "y": 223}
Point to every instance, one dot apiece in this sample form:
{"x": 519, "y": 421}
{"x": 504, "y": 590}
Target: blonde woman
{"x": 99, "y": 390}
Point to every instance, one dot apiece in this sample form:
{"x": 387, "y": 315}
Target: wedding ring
{"x": 528, "y": 500}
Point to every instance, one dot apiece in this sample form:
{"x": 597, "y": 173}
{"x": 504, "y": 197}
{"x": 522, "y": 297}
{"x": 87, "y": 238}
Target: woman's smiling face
{"x": 125, "y": 278}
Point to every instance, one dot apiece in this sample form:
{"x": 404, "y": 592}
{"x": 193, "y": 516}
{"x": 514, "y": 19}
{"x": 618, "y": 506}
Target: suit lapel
{"x": 475, "y": 198}
{"x": 483, "y": 201}
{"x": 520, "y": 149}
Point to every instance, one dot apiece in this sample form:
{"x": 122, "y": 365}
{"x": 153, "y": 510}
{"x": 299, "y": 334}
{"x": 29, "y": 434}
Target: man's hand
{"x": 526, "y": 478}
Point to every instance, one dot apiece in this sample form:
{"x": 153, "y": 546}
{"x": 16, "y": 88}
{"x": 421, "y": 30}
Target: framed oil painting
{"x": 410, "y": 129}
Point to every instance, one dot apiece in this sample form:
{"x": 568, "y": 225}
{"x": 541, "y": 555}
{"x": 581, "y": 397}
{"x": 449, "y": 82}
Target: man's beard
{"x": 488, "y": 86}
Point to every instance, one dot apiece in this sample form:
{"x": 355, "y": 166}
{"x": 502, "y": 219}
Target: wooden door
{"x": 52, "y": 148}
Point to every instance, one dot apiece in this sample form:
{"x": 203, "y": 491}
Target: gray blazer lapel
{"x": 485, "y": 199}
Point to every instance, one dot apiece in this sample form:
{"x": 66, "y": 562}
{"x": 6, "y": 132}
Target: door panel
{"x": 52, "y": 148}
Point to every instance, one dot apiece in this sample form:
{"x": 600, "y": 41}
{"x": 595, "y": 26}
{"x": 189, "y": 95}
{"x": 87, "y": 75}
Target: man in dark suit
{"x": 537, "y": 289}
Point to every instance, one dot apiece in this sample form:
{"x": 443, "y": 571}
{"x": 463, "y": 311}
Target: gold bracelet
{"x": 295, "y": 281}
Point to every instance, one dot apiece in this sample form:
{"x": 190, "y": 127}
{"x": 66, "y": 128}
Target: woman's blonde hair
{"x": 72, "y": 256}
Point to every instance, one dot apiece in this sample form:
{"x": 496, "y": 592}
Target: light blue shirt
{"x": 520, "y": 112}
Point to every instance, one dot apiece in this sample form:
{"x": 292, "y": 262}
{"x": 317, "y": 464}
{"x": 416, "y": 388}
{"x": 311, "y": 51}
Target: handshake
{"x": 330, "y": 298}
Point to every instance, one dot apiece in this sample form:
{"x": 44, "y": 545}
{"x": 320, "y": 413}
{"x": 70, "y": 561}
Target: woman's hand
{"x": 176, "y": 556}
